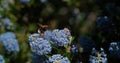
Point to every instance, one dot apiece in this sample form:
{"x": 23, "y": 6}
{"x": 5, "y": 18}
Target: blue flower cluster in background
{"x": 7, "y": 24}
{"x": 6, "y": 21}
{"x": 43, "y": 1}
{"x": 9, "y": 41}
{"x": 1, "y": 59}
{"x": 105, "y": 24}
{"x": 25, "y": 1}
{"x": 86, "y": 43}
{"x": 74, "y": 49}
{"x": 11, "y": 45}
{"x": 98, "y": 56}
{"x": 7, "y": 35}
{"x": 57, "y": 58}
{"x": 114, "y": 49}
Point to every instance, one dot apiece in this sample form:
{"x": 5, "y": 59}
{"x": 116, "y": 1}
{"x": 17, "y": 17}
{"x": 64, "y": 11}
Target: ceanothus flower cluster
{"x": 6, "y": 22}
{"x": 9, "y": 41}
{"x": 1, "y": 59}
{"x": 57, "y": 58}
{"x": 39, "y": 45}
{"x": 114, "y": 49}
{"x": 60, "y": 37}
{"x": 74, "y": 49}
{"x": 98, "y": 56}
{"x": 7, "y": 35}
{"x": 43, "y": 1}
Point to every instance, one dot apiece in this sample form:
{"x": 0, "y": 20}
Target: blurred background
{"x": 81, "y": 17}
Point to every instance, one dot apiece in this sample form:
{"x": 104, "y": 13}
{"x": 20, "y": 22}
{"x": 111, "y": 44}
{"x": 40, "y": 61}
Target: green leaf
{"x": 71, "y": 39}
{"x": 47, "y": 56}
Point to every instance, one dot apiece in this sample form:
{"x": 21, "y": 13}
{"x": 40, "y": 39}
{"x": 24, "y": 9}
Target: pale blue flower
{"x": 59, "y": 38}
{"x": 40, "y": 46}
{"x": 1, "y": 59}
{"x": 114, "y": 49}
{"x": 57, "y": 58}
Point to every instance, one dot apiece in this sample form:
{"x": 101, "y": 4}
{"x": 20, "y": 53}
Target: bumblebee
{"x": 41, "y": 29}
